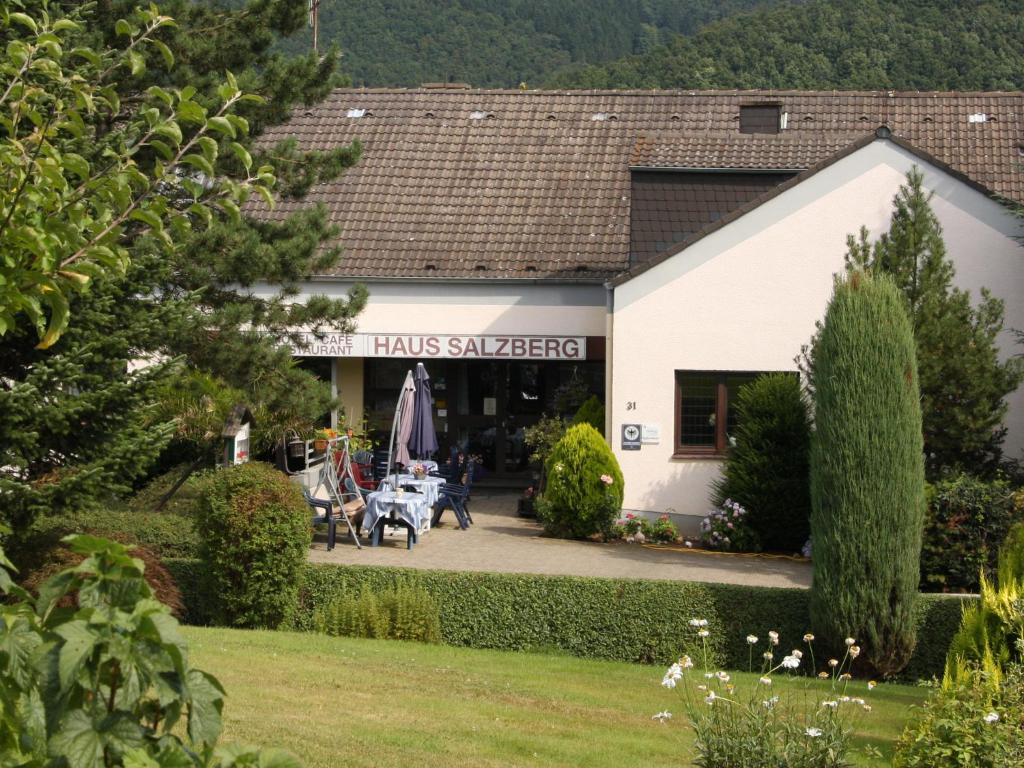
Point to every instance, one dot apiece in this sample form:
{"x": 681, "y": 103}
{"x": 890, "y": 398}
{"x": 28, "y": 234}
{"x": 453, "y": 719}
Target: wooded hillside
{"x": 822, "y": 44}
{"x": 497, "y": 43}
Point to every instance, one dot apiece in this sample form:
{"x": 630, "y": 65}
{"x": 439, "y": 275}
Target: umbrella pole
{"x": 394, "y": 423}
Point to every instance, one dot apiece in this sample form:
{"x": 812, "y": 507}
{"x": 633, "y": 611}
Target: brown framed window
{"x": 705, "y": 412}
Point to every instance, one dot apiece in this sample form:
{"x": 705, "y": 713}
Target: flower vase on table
{"x": 419, "y": 471}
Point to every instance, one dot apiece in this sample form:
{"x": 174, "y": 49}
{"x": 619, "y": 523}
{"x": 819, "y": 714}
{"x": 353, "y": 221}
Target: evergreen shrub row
{"x": 618, "y": 619}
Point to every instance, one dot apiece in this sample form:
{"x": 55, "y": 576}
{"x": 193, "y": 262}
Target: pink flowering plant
{"x": 760, "y": 724}
{"x": 728, "y": 529}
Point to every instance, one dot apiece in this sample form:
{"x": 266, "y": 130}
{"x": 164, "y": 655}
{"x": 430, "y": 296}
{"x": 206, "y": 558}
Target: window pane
{"x": 733, "y": 382}
{"x": 697, "y": 402}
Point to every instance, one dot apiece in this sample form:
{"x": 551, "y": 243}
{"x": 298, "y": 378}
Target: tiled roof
{"x": 720, "y": 150}
{"x": 536, "y": 184}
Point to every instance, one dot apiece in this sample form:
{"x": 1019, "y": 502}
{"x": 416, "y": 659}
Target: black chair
{"x": 323, "y": 513}
{"x": 453, "y": 496}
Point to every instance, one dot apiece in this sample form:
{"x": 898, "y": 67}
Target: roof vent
{"x": 864, "y": 119}
{"x": 480, "y": 267}
{"x": 977, "y": 117}
{"x": 1020, "y": 150}
{"x": 533, "y": 268}
{"x": 928, "y": 119}
{"x": 581, "y": 268}
{"x": 428, "y": 114}
{"x": 356, "y": 112}
{"x": 480, "y": 114}
{"x": 551, "y": 116}
{"x": 430, "y": 267}
{"x": 676, "y": 117}
{"x": 808, "y": 118}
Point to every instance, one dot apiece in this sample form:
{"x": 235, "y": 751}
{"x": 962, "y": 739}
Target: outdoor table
{"x": 428, "y": 486}
{"x": 409, "y": 510}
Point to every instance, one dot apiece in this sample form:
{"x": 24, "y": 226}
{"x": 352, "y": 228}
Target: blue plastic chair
{"x": 323, "y": 511}
{"x": 453, "y": 496}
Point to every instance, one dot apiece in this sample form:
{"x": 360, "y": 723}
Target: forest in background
{"x": 498, "y": 43}
{"x": 824, "y": 44}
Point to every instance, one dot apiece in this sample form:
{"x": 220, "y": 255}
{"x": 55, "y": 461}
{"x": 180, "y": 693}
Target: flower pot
{"x": 320, "y": 444}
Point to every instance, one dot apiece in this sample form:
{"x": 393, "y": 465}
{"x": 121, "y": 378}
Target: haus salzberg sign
{"x": 442, "y": 346}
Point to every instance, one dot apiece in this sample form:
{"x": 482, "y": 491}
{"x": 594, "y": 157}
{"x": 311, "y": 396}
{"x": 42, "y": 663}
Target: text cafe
{"x": 487, "y": 388}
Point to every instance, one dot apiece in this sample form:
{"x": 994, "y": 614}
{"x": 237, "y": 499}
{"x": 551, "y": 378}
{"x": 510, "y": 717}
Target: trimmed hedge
{"x": 618, "y": 619}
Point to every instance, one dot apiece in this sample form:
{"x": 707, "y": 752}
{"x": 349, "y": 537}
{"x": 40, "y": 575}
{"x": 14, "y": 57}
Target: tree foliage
{"x": 867, "y": 473}
{"x": 83, "y": 168}
{"x": 216, "y": 304}
{"x": 107, "y": 681}
{"x": 825, "y": 44}
{"x": 767, "y": 470}
{"x": 963, "y": 382}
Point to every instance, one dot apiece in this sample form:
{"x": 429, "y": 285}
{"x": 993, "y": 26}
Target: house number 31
{"x": 631, "y": 405}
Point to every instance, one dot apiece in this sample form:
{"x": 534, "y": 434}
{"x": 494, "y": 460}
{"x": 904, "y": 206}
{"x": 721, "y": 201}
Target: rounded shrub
{"x": 768, "y": 469}
{"x": 255, "y": 532}
{"x": 584, "y": 485}
{"x": 966, "y": 521}
{"x": 867, "y": 473}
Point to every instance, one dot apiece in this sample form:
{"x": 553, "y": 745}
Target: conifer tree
{"x": 867, "y": 473}
{"x": 963, "y": 382}
{"x": 77, "y": 422}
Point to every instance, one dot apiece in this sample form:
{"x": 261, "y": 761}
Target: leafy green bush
{"x": 969, "y": 724}
{"x": 966, "y": 521}
{"x": 767, "y": 470}
{"x": 867, "y": 473}
{"x": 592, "y": 413}
{"x": 255, "y": 531}
{"x": 400, "y": 612}
{"x": 165, "y": 534}
{"x": 584, "y": 488}
{"x": 106, "y": 681}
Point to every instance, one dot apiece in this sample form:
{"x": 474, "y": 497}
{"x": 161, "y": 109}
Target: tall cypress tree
{"x": 867, "y": 473}
{"x": 963, "y": 382}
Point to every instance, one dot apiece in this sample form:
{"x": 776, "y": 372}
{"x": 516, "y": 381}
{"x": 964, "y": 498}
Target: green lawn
{"x": 347, "y": 702}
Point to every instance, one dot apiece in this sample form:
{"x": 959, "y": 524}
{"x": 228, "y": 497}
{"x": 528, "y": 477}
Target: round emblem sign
{"x": 631, "y": 432}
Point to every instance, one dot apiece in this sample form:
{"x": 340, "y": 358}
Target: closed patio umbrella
{"x": 423, "y": 440}
{"x": 405, "y": 413}
{"x": 398, "y": 451}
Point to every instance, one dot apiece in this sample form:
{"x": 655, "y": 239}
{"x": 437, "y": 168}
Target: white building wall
{"x": 746, "y": 297}
{"x": 483, "y": 308}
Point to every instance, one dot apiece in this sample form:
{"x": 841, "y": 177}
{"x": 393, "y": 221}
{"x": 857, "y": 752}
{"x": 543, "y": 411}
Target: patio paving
{"x": 501, "y": 541}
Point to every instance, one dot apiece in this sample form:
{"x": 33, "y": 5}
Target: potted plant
{"x": 322, "y": 437}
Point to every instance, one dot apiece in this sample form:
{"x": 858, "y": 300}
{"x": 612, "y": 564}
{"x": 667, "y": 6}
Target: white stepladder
{"x": 332, "y": 483}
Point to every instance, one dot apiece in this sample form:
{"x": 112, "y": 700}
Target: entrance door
{"x": 495, "y": 401}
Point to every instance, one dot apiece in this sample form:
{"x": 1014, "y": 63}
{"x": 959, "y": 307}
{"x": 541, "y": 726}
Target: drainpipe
{"x": 609, "y": 326}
